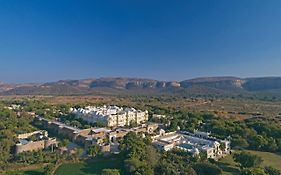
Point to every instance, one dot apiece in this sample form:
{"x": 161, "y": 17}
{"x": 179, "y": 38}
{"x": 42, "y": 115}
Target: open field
{"x": 94, "y": 167}
{"x": 269, "y": 159}
{"x": 35, "y": 169}
{"x": 226, "y": 107}
{"x": 91, "y": 167}
{"x": 228, "y": 166}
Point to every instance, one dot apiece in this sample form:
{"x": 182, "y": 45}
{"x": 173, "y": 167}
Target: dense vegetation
{"x": 251, "y": 165}
{"x": 10, "y": 126}
{"x": 19, "y": 121}
{"x": 142, "y": 159}
{"x": 251, "y": 134}
{"x": 255, "y": 134}
{"x": 139, "y": 155}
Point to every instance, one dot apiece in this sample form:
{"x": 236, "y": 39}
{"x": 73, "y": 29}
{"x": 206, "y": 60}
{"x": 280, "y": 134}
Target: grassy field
{"x": 269, "y": 159}
{"x": 221, "y": 106}
{"x": 228, "y": 166}
{"x": 37, "y": 169}
{"x": 95, "y": 167}
{"x": 91, "y": 167}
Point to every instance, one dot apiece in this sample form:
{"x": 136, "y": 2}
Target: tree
{"x": 247, "y": 160}
{"x": 272, "y": 171}
{"x": 64, "y": 142}
{"x": 206, "y": 168}
{"x": 222, "y": 146}
{"x": 239, "y": 142}
{"x": 110, "y": 172}
{"x": 278, "y": 142}
{"x": 93, "y": 150}
{"x": 175, "y": 162}
{"x": 253, "y": 171}
{"x": 135, "y": 149}
{"x": 78, "y": 153}
{"x": 258, "y": 142}
{"x": 272, "y": 145}
{"x": 49, "y": 169}
{"x": 133, "y": 164}
{"x": 133, "y": 146}
{"x": 153, "y": 155}
{"x": 76, "y": 123}
{"x": 203, "y": 156}
{"x": 166, "y": 168}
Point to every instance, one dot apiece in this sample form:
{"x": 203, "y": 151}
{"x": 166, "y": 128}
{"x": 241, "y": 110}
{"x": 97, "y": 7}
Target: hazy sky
{"x": 47, "y": 40}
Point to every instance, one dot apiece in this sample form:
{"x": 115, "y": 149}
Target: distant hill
{"x": 204, "y": 85}
{"x": 223, "y": 83}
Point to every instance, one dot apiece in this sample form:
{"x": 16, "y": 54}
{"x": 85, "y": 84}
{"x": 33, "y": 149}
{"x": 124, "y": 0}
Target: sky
{"x": 50, "y": 40}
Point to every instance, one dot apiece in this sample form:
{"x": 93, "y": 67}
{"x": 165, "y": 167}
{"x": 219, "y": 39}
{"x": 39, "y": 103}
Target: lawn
{"x": 91, "y": 167}
{"x": 229, "y": 167}
{"x": 269, "y": 159}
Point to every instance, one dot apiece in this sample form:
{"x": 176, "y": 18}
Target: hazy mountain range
{"x": 221, "y": 85}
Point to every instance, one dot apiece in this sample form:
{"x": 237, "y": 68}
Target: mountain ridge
{"x": 223, "y": 84}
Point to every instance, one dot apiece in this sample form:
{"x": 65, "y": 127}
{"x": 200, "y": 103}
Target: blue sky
{"x": 48, "y": 40}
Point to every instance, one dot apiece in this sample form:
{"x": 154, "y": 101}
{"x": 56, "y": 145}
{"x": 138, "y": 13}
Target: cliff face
{"x": 113, "y": 85}
{"x": 223, "y": 83}
{"x": 262, "y": 84}
{"x": 5, "y": 87}
{"x": 132, "y": 83}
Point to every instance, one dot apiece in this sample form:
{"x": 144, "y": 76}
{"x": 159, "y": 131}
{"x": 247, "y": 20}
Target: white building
{"x": 193, "y": 142}
{"x": 112, "y": 116}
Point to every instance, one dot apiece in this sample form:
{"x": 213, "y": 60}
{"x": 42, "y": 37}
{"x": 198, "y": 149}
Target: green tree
{"x": 135, "y": 149}
{"x": 247, "y": 160}
{"x": 133, "y": 164}
{"x": 93, "y": 150}
{"x": 272, "y": 145}
{"x": 76, "y": 123}
{"x": 153, "y": 156}
{"x": 253, "y": 171}
{"x": 110, "y": 172}
{"x": 78, "y": 153}
{"x": 258, "y": 142}
{"x": 222, "y": 146}
{"x": 64, "y": 142}
{"x": 175, "y": 162}
{"x": 49, "y": 169}
{"x": 239, "y": 142}
{"x": 203, "y": 156}
{"x": 272, "y": 171}
{"x": 207, "y": 168}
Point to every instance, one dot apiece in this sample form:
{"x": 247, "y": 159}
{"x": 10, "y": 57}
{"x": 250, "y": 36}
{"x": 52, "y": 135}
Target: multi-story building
{"x": 112, "y": 116}
{"x": 192, "y": 142}
{"x": 103, "y": 137}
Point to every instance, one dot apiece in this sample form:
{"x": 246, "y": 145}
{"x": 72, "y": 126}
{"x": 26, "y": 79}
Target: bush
{"x": 272, "y": 171}
{"x": 207, "y": 168}
{"x": 247, "y": 160}
{"x": 110, "y": 172}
